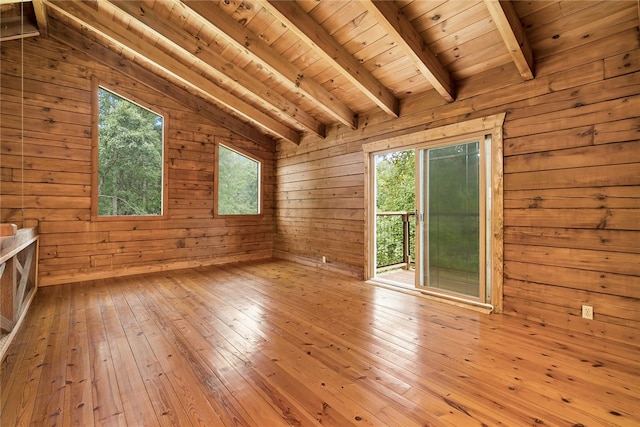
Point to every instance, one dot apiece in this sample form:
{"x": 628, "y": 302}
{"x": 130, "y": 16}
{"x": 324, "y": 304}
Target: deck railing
{"x": 395, "y": 234}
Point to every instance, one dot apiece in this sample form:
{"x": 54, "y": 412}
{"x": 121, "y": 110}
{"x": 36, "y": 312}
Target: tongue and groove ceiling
{"x": 279, "y": 70}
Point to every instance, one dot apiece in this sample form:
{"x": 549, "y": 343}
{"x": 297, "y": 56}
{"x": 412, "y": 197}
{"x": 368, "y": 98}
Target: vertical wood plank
{"x": 163, "y": 397}
{"x": 21, "y": 379}
{"x": 136, "y": 404}
{"x": 78, "y": 403}
{"x": 107, "y": 402}
{"x": 51, "y": 388}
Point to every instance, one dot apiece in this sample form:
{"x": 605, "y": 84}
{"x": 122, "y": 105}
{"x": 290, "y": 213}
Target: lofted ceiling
{"x": 279, "y": 70}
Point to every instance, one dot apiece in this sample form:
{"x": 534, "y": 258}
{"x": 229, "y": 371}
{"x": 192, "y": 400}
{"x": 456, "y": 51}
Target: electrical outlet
{"x": 587, "y": 312}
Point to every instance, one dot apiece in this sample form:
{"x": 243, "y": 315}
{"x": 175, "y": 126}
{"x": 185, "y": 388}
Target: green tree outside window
{"x": 130, "y": 157}
{"x": 238, "y": 183}
{"x": 395, "y": 187}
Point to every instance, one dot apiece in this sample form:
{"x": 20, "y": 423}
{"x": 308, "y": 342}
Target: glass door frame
{"x": 488, "y": 126}
{"x": 422, "y": 201}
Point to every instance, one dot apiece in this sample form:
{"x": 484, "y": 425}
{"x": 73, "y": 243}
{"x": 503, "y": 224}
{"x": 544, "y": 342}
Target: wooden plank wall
{"x": 56, "y": 189}
{"x": 572, "y": 183}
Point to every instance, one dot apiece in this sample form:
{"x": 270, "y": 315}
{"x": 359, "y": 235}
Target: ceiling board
{"x": 293, "y": 68}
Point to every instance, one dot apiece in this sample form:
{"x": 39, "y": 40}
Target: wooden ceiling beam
{"x": 506, "y": 19}
{"x": 85, "y": 41}
{"x": 259, "y": 51}
{"x": 311, "y": 33}
{"x": 97, "y": 15}
{"x": 40, "y": 9}
{"x": 400, "y": 29}
{"x": 218, "y": 68}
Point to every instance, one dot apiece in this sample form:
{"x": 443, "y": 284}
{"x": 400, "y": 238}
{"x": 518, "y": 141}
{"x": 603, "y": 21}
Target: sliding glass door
{"x": 450, "y": 239}
{"x": 451, "y": 219}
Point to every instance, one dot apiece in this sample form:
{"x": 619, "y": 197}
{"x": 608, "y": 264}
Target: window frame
{"x": 216, "y": 181}
{"x": 96, "y": 86}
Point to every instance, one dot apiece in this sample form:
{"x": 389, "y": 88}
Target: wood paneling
{"x": 48, "y": 174}
{"x": 274, "y": 343}
{"x": 572, "y": 203}
{"x": 571, "y": 179}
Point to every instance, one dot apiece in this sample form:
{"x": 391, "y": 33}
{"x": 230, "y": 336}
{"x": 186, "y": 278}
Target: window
{"x": 130, "y": 157}
{"x": 238, "y": 183}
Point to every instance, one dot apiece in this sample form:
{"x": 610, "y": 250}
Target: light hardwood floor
{"x": 275, "y": 343}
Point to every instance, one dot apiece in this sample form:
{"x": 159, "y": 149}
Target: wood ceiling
{"x": 278, "y": 70}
